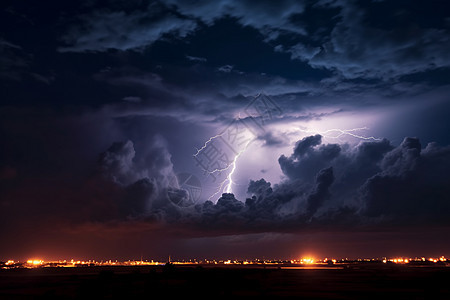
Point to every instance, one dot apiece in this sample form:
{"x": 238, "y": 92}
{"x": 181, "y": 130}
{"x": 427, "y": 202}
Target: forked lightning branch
{"x": 219, "y": 155}
{"x": 221, "y": 152}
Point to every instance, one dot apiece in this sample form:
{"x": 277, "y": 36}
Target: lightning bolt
{"x": 230, "y": 178}
{"x": 219, "y": 170}
{"x": 227, "y": 184}
{"x": 207, "y": 142}
{"x": 204, "y": 146}
{"x": 336, "y": 133}
{"x": 220, "y": 188}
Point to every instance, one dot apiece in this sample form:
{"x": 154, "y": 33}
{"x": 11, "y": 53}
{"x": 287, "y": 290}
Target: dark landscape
{"x": 346, "y": 281}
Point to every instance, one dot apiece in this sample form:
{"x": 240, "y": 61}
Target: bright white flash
{"x": 337, "y": 133}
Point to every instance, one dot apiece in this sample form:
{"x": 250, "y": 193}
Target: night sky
{"x": 324, "y": 124}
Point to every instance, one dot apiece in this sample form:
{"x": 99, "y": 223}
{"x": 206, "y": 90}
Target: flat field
{"x": 360, "y": 281}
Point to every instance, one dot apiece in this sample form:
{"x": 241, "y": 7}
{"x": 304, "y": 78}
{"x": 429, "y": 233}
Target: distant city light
{"x": 35, "y": 262}
{"x": 307, "y": 260}
{"x": 310, "y": 261}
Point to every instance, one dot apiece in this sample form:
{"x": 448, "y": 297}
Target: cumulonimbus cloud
{"x": 371, "y": 183}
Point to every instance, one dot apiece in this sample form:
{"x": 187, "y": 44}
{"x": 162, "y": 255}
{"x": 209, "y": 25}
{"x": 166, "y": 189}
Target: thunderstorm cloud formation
{"x": 369, "y": 184}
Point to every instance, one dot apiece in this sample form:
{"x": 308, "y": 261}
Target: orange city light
{"x": 307, "y": 260}
{"x": 35, "y": 262}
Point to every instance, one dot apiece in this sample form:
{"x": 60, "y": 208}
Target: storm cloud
{"x": 100, "y": 30}
{"x": 371, "y": 183}
{"x": 412, "y": 183}
{"x": 357, "y": 45}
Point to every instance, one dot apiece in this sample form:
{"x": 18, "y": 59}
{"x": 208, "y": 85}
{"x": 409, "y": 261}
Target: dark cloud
{"x": 134, "y": 26}
{"x": 307, "y": 158}
{"x": 372, "y": 182}
{"x": 143, "y": 23}
{"x": 16, "y": 64}
{"x": 117, "y": 162}
{"x": 359, "y": 48}
{"x": 260, "y": 188}
{"x": 412, "y": 184}
{"x": 386, "y": 185}
{"x": 13, "y": 60}
{"x": 315, "y": 200}
{"x": 196, "y": 59}
{"x": 304, "y": 146}
{"x": 147, "y": 178}
{"x": 270, "y": 139}
{"x": 268, "y": 17}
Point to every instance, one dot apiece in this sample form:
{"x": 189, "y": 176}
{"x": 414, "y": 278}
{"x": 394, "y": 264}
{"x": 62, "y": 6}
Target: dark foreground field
{"x": 357, "y": 282}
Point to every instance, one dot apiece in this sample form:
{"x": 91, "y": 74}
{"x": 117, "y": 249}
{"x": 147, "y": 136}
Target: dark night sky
{"x": 327, "y": 121}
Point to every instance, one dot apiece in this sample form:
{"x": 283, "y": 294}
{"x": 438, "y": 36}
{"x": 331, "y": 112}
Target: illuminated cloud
{"x": 361, "y": 184}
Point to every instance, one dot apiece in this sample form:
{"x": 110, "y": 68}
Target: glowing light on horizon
{"x": 307, "y": 260}
{"x": 398, "y": 260}
{"x": 35, "y": 262}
